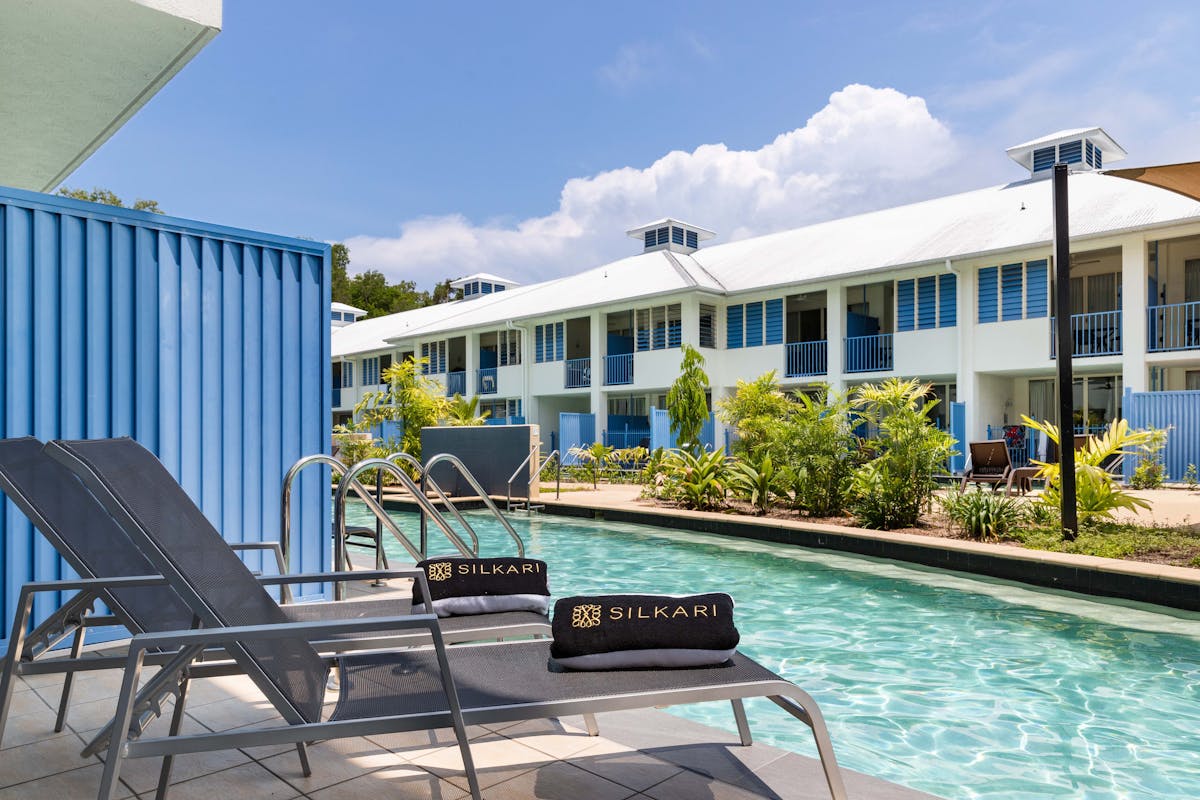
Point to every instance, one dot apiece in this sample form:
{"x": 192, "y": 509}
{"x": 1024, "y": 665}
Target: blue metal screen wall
{"x": 209, "y": 345}
{"x": 1179, "y": 411}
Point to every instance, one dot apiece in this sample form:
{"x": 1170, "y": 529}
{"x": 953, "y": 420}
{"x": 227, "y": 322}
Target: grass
{"x": 1164, "y": 545}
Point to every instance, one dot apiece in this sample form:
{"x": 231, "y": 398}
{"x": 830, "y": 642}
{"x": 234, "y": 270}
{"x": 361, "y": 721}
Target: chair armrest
{"x": 203, "y": 637}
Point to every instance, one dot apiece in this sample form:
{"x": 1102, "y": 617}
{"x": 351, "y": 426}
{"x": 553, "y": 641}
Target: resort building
{"x": 955, "y": 291}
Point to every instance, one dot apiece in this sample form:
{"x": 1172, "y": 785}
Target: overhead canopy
{"x": 1181, "y": 178}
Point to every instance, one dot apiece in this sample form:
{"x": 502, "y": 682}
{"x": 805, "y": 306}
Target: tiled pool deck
{"x": 642, "y": 754}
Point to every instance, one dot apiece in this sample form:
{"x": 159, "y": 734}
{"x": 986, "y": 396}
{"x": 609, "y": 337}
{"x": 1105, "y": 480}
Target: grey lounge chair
{"x": 990, "y": 463}
{"x": 113, "y": 570}
{"x": 380, "y": 692}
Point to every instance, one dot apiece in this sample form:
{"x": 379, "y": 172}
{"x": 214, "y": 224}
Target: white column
{"x": 1134, "y": 275}
{"x": 966, "y": 311}
{"x": 835, "y": 336}
{"x": 599, "y": 329}
{"x": 689, "y": 320}
{"x": 471, "y": 363}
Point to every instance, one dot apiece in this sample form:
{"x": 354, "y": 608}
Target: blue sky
{"x": 523, "y": 138}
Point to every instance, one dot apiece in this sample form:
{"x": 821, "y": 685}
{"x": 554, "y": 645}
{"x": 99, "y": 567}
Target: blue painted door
{"x": 575, "y": 430}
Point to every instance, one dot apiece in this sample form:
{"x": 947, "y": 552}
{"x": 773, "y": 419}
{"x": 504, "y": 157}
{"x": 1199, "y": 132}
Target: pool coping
{"x": 1159, "y": 584}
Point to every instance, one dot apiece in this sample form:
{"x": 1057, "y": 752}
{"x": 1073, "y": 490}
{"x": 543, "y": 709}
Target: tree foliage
{"x": 370, "y": 290}
{"x": 462, "y": 412}
{"x": 108, "y": 198}
{"x": 687, "y": 403}
{"x": 754, "y": 411}
{"x": 410, "y": 398}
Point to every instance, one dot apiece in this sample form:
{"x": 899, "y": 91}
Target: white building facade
{"x": 955, "y": 291}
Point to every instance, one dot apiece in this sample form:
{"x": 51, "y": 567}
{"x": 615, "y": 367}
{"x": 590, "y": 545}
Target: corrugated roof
{"x": 988, "y": 220}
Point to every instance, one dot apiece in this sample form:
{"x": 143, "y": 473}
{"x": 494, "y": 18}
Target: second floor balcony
{"x": 869, "y": 353}
{"x": 1173, "y": 327}
{"x": 456, "y": 383}
{"x": 486, "y": 381}
{"x": 802, "y": 359}
{"x": 618, "y": 369}
{"x": 577, "y": 373}
{"x": 1095, "y": 334}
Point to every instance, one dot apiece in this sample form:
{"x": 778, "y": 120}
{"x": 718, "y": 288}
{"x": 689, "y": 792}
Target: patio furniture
{"x": 989, "y": 463}
{"x": 1021, "y": 479}
{"x": 113, "y": 570}
{"x": 381, "y": 692}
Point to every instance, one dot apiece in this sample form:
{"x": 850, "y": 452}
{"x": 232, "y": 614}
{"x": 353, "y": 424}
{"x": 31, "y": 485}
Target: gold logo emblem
{"x": 585, "y": 616}
{"x": 439, "y": 571}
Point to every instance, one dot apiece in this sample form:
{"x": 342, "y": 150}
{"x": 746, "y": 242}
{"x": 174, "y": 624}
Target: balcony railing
{"x": 456, "y": 383}
{"x": 1095, "y": 334}
{"x": 485, "y": 382}
{"x": 805, "y": 358}
{"x": 1173, "y": 327}
{"x": 618, "y": 370}
{"x": 337, "y": 396}
{"x": 577, "y": 373}
{"x": 869, "y": 353}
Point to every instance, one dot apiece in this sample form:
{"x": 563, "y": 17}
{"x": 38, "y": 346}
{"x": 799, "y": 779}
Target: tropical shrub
{"x": 461, "y": 412}
{"x": 1097, "y": 495}
{"x": 410, "y": 398}
{"x": 893, "y": 488}
{"x": 754, "y": 412}
{"x": 1189, "y": 476}
{"x": 696, "y": 481}
{"x": 983, "y": 515}
{"x": 1148, "y": 474}
{"x": 687, "y": 402}
{"x": 653, "y": 476}
{"x": 759, "y": 483}
{"x": 816, "y": 446}
{"x": 596, "y": 457}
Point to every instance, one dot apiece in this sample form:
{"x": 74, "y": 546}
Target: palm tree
{"x": 597, "y": 454}
{"x": 460, "y": 411}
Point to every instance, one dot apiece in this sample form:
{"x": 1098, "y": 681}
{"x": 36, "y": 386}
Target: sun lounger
{"x": 113, "y": 570}
{"x": 416, "y": 689}
{"x": 990, "y": 463}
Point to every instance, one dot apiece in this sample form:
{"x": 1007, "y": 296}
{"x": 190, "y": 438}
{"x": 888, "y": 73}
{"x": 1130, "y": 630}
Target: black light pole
{"x": 1062, "y": 319}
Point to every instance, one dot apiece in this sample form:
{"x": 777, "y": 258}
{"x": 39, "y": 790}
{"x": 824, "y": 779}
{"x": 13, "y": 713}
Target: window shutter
{"x": 927, "y": 302}
{"x": 1036, "y": 293}
{"x": 947, "y": 300}
{"x": 987, "y": 293}
{"x": 538, "y": 356}
{"x": 754, "y": 328}
{"x": 559, "y": 341}
{"x": 775, "y": 321}
{"x": 1010, "y": 291}
{"x": 904, "y": 305}
{"x": 733, "y": 327}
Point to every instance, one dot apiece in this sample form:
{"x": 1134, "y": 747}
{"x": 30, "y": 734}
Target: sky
{"x": 523, "y": 139}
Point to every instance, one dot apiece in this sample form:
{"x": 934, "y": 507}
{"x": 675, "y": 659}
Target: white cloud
{"x": 633, "y": 64}
{"x": 867, "y": 148}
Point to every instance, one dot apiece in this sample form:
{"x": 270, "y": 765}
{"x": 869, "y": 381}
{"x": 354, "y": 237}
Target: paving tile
{"x": 630, "y": 768}
{"x": 497, "y": 760}
{"x": 688, "y": 785}
{"x": 30, "y": 728}
{"x": 550, "y": 736}
{"x": 797, "y": 777}
{"x": 334, "y": 761}
{"x": 558, "y": 781}
{"x": 415, "y": 745}
{"x": 41, "y": 759}
{"x": 141, "y": 774}
{"x": 27, "y": 701}
{"x": 247, "y": 781}
{"x": 393, "y": 783}
{"x": 234, "y": 712}
{"x": 77, "y": 783}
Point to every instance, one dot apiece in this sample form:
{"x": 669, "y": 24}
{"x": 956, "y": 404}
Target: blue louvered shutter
{"x": 559, "y": 341}
{"x": 1036, "y": 290}
{"x": 1071, "y": 152}
{"x": 1010, "y": 291}
{"x": 538, "y": 354}
{"x": 904, "y": 305}
{"x": 733, "y": 327}
{"x": 754, "y": 328}
{"x": 947, "y": 300}
{"x": 775, "y": 321}
{"x": 927, "y": 302}
{"x": 987, "y": 293}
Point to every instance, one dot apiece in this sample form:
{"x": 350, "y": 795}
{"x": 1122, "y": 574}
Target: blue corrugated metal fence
{"x": 1180, "y": 411}
{"x": 209, "y": 345}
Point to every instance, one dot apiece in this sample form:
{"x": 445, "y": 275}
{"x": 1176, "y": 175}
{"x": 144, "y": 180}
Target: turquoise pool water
{"x": 962, "y": 688}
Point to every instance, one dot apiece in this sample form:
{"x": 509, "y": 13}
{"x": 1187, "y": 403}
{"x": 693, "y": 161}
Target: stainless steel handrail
{"x": 457, "y": 463}
{"x": 285, "y": 505}
{"x": 339, "y": 515}
{"x": 557, "y": 478}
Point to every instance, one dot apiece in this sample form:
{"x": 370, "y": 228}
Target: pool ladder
{"x": 527, "y": 504}
{"x": 373, "y": 538}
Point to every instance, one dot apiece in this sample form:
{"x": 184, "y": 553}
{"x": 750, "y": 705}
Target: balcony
{"x": 805, "y": 358}
{"x": 869, "y": 353}
{"x": 577, "y": 373}
{"x": 1095, "y": 334}
{"x": 456, "y": 383}
{"x": 485, "y": 381}
{"x": 1173, "y": 327}
{"x": 618, "y": 370}
{"x": 337, "y": 396}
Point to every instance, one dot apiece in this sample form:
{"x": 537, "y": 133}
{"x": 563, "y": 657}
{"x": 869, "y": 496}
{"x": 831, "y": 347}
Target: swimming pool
{"x": 960, "y": 687}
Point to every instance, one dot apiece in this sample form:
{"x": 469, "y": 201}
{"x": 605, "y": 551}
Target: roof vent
{"x": 1081, "y": 149}
{"x": 482, "y": 283}
{"x": 670, "y": 234}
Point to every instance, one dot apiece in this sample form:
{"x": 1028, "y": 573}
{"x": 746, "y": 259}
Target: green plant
{"x": 754, "y": 412}
{"x": 1189, "y": 476}
{"x": 410, "y": 398}
{"x": 983, "y": 515}
{"x": 759, "y": 483}
{"x": 815, "y": 442}
{"x": 687, "y": 403}
{"x": 598, "y": 455}
{"x": 461, "y": 412}
{"x": 696, "y": 481}
{"x": 653, "y": 476}
{"x": 1148, "y": 474}
{"x": 893, "y": 488}
{"x": 1097, "y": 497}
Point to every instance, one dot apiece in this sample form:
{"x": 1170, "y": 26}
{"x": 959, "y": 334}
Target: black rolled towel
{"x": 643, "y": 631}
{"x": 461, "y": 586}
